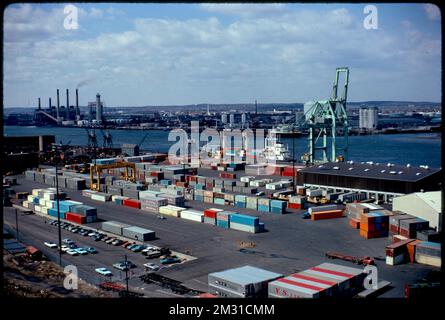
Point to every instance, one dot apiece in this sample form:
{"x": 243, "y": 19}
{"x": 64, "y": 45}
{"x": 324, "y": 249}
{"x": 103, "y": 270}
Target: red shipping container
{"x": 294, "y": 205}
{"x": 132, "y": 203}
{"x": 209, "y": 213}
{"x": 74, "y": 217}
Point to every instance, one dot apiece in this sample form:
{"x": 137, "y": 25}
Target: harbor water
{"x": 415, "y": 149}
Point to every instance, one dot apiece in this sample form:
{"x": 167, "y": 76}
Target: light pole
{"x": 58, "y": 210}
{"x": 126, "y": 273}
{"x": 293, "y": 160}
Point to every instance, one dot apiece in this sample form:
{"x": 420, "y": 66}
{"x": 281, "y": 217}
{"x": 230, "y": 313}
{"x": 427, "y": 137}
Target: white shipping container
{"x": 392, "y": 261}
{"x": 244, "y": 227}
{"x": 38, "y": 208}
{"x": 99, "y": 197}
{"x": 30, "y": 198}
{"x": 314, "y": 193}
{"x": 25, "y": 204}
{"x": 328, "y": 207}
{"x": 192, "y": 215}
{"x": 247, "y": 178}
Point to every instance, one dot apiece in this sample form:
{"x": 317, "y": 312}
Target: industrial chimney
{"x": 58, "y": 106}
{"x": 256, "y": 107}
{"x": 39, "y": 104}
{"x": 77, "y": 105}
{"x": 49, "y": 104}
{"x": 67, "y": 104}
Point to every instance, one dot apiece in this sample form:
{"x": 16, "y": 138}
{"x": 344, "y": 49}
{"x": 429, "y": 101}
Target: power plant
{"x": 69, "y": 115}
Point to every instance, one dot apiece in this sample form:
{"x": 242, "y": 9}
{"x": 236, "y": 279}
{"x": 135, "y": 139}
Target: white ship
{"x": 275, "y": 150}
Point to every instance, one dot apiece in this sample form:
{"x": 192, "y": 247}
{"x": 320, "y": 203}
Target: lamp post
{"x": 58, "y": 207}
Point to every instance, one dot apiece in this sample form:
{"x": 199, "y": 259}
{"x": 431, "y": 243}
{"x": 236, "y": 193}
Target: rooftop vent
{"x": 350, "y": 169}
{"x": 336, "y": 168}
{"x": 367, "y": 169}
{"x": 383, "y": 171}
{"x": 392, "y": 172}
{"x": 418, "y": 174}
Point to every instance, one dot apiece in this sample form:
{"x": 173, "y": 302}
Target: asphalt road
{"x": 290, "y": 244}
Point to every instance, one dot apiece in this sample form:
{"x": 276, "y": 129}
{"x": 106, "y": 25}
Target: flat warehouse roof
{"x": 246, "y": 275}
{"x": 372, "y": 171}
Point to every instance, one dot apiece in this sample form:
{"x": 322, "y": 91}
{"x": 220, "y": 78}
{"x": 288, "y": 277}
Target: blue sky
{"x": 162, "y": 54}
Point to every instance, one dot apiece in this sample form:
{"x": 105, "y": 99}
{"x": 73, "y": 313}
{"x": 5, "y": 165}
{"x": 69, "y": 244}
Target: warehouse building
{"x": 243, "y": 282}
{"x": 380, "y": 181}
{"x": 425, "y": 205}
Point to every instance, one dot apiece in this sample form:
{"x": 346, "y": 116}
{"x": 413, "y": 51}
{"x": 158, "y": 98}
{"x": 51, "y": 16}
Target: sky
{"x": 176, "y": 54}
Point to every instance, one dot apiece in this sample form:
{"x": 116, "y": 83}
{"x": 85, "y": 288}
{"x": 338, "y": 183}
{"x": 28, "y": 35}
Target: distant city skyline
{"x": 178, "y": 54}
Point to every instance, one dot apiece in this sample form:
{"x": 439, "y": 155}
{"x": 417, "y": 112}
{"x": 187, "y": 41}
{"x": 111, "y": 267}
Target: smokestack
{"x": 77, "y": 105}
{"x": 67, "y": 104}
{"x": 39, "y": 104}
{"x": 49, "y": 104}
{"x": 256, "y": 107}
{"x": 58, "y": 106}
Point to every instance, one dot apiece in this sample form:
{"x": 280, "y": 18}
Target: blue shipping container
{"x": 240, "y": 204}
{"x": 222, "y": 224}
{"x": 244, "y": 219}
{"x": 263, "y": 208}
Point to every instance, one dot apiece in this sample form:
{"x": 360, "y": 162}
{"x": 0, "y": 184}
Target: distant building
{"x": 368, "y": 118}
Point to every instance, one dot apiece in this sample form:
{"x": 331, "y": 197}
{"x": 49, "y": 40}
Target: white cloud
{"x": 432, "y": 11}
{"x": 244, "y": 10}
{"x": 288, "y": 57}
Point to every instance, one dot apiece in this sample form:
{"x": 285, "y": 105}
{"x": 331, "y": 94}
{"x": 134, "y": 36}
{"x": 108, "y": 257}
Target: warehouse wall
{"x": 413, "y": 205}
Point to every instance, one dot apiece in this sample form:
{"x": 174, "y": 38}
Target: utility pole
{"x": 17, "y": 224}
{"x": 293, "y": 160}
{"x": 58, "y": 209}
{"x": 126, "y": 273}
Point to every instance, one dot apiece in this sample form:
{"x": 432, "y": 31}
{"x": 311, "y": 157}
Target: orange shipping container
{"x": 354, "y": 223}
{"x": 412, "y": 250}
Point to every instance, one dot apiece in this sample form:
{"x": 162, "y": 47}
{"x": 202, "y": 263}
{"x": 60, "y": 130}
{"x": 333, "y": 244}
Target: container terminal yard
{"x": 230, "y": 229}
{"x": 274, "y": 153}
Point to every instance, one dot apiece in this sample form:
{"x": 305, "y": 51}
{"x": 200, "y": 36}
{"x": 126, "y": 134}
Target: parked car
{"x": 84, "y": 233}
{"x": 105, "y": 238}
{"x": 261, "y": 193}
{"x": 72, "y": 252}
{"x": 104, "y": 272}
{"x": 131, "y": 246}
{"x": 93, "y": 233}
{"x": 65, "y": 248}
{"x": 75, "y": 230}
{"x": 122, "y": 265}
{"x": 170, "y": 260}
{"x": 151, "y": 266}
{"x": 126, "y": 244}
{"x": 117, "y": 242}
{"x": 50, "y": 244}
{"x": 91, "y": 250}
{"x": 81, "y": 251}
{"x": 67, "y": 241}
{"x": 148, "y": 249}
{"x": 73, "y": 246}
{"x": 138, "y": 248}
{"x": 153, "y": 254}
{"x": 109, "y": 241}
{"x": 161, "y": 217}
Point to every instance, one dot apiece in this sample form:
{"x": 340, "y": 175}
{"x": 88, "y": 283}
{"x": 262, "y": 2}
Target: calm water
{"x": 416, "y": 149}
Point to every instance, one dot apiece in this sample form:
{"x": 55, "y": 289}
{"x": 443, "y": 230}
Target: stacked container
{"x": 240, "y": 201}
{"x": 132, "y": 203}
{"x": 223, "y": 219}
{"x": 138, "y": 233}
{"x": 244, "y": 223}
{"x": 252, "y": 203}
{"x": 374, "y": 224}
{"x": 114, "y": 227}
{"x": 297, "y": 202}
{"x": 119, "y": 200}
{"x": 409, "y": 227}
{"x": 277, "y": 206}
{"x": 210, "y": 215}
{"x": 170, "y": 210}
{"x": 397, "y": 253}
{"x": 428, "y": 253}
{"x": 264, "y": 204}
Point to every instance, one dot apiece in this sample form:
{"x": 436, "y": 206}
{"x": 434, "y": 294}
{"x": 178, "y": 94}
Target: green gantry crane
{"x": 324, "y": 118}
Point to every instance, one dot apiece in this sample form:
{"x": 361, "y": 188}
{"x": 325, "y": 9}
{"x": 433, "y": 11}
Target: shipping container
{"x": 114, "y": 227}
{"x": 138, "y": 233}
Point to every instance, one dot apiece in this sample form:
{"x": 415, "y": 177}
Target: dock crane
{"x": 108, "y": 138}
{"x": 92, "y": 139}
{"x": 323, "y": 118}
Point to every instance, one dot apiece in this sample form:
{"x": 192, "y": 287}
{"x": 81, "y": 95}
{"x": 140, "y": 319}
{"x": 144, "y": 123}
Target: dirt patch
{"x": 41, "y": 279}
